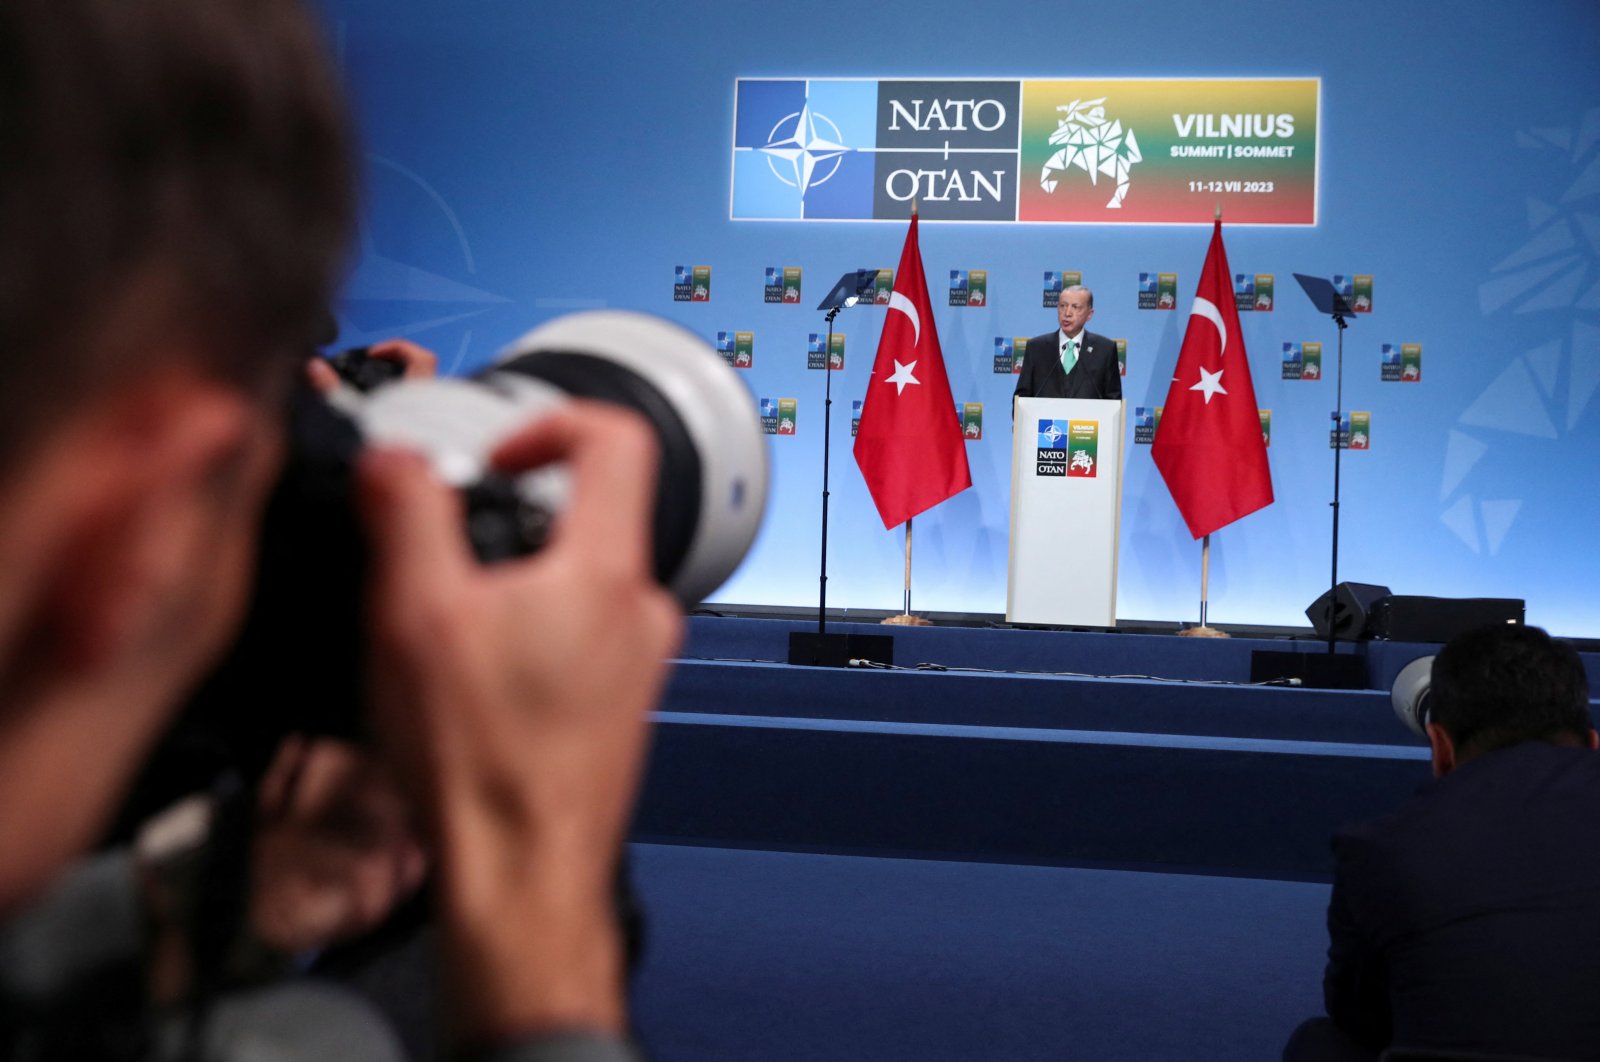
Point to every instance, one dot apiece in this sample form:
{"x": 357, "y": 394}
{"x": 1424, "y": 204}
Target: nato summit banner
{"x": 1099, "y": 151}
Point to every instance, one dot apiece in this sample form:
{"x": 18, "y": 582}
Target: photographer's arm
{"x": 514, "y": 699}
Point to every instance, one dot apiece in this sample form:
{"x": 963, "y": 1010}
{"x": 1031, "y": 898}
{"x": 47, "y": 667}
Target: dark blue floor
{"x": 849, "y": 864}
{"x": 773, "y": 956}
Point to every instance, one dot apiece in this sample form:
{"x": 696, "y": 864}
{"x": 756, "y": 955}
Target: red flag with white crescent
{"x": 1209, "y": 446}
{"x": 909, "y": 444}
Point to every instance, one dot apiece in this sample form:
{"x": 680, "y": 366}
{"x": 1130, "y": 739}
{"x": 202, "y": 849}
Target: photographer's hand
{"x": 515, "y": 699}
{"x": 417, "y": 361}
{"x": 335, "y": 851}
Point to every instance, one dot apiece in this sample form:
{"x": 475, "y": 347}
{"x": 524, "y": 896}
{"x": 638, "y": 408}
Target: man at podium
{"x": 1070, "y": 362}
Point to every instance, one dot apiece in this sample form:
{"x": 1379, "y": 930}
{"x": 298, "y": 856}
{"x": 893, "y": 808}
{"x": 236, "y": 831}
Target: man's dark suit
{"x": 1095, "y": 375}
{"x": 1470, "y": 917}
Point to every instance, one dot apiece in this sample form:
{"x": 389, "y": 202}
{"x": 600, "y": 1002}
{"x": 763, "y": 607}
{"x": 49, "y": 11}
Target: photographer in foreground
{"x": 175, "y": 194}
{"x": 1469, "y": 919}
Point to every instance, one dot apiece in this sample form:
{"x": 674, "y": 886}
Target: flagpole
{"x": 908, "y": 568}
{"x": 1203, "y": 631}
{"x": 1205, "y": 547}
{"x": 905, "y": 618}
{"x": 907, "y": 611}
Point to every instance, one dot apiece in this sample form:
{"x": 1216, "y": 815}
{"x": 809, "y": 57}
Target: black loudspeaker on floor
{"x": 1352, "y": 604}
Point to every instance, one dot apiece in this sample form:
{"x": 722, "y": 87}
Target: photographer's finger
{"x": 612, "y": 458}
{"x": 321, "y": 377}
{"x": 418, "y": 361}
{"x": 277, "y": 785}
{"x": 540, "y": 442}
{"x": 413, "y": 523}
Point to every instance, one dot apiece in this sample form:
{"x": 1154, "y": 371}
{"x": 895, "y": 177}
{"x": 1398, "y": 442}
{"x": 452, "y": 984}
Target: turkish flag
{"x": 909, "y": 442}
{"x": 1209, "y": 446}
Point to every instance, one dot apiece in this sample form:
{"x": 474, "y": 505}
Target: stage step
{"x": 1012, "y": 767}
{"x": 1223, "y": 805}
{"x": 1092, "y": 652}
{"x": 1012, "y": 700}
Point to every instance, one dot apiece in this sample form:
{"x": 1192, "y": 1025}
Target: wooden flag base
{"x": 906, "y": 619}
{"x": 1203, "y": 632}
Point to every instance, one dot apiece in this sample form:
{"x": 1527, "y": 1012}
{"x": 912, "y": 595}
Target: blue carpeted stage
{"x": 1088, "y": 845}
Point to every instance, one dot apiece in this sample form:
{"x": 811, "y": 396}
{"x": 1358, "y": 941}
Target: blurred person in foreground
{"x": 175, "y": 200}
{"x": 1469, "y": 919}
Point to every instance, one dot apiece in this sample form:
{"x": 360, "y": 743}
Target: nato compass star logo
{"x": 803, "y": 149}
{"x": 389, "y": 292}
{"x": 1051, "y": 435}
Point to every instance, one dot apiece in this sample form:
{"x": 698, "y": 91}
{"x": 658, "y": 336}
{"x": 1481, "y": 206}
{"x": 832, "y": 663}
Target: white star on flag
{"x": 1210, "y": 384}
{"x": 902, "y": 376}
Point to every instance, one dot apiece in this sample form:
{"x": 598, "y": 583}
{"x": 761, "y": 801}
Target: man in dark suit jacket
{"x": 1070, "y": 362}
{"x": 1469, "y": 919}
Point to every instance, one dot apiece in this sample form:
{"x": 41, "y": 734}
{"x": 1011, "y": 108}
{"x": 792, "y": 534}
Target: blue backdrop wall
{"x": 525, "y": 160}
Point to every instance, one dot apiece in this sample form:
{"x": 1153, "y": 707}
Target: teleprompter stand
{"x": 824, "y": 649}
{"x": 1332, "y": 671}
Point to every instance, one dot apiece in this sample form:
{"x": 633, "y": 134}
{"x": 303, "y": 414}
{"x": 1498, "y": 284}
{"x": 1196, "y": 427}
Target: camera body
{"x": 358, "y": 368}
{"x": 297, "y": 664}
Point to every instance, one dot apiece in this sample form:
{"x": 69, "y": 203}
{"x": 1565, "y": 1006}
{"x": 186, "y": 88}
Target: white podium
{"x": 1066, "y": 506}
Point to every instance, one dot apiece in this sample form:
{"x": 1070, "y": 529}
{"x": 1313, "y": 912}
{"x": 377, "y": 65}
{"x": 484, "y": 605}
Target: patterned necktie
{"x": 1069, "y": 354}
